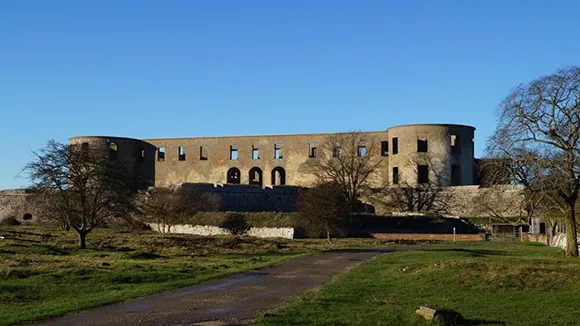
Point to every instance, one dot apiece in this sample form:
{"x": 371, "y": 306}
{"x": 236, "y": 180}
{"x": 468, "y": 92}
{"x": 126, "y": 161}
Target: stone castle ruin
{"x": 264, "y": 173}
{"x": 278, "y": 160}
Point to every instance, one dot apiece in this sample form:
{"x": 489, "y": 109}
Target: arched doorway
{"x": 233, "y": 176}
{"x": 255, "y": 176}
{"x": 278, "y": 176}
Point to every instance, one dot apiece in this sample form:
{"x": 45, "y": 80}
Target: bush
{"x": 235, "y": 223}
{"x": 324, "y": 210}
{"x": 9, "y": 221}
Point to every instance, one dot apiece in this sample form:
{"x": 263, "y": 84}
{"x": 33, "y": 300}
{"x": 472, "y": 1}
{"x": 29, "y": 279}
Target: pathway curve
{"x": 232, "y": 301}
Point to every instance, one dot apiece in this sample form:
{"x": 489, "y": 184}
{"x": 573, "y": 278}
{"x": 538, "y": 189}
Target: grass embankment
{"x": 376, "y": 223}
{"x": 488, "y": 283}
{"x": 39, "y": 281}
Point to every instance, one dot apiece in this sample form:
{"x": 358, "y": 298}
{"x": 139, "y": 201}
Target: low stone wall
{"x": 429, "y": 236}
{"x": 559, "y": 241}
{"x": 208, "y": 230}
{"x": 533, "y": 237}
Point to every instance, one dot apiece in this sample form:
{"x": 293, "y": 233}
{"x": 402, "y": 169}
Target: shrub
{"x": 325, "y": 210}
{"x": 235, "y": 223}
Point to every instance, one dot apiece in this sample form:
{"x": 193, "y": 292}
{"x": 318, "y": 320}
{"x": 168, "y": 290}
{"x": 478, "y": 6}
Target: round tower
{"x": 438, "y": 154}
{"x": 137, "y": 155}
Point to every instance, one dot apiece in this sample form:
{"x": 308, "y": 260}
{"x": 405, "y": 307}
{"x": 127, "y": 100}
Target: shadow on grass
{"x": 362, "y": 250}
{"x": 471, "y": 252}
{"x": 474, "y": 322}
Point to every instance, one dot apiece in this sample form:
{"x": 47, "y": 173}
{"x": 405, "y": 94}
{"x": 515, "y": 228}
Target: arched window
{"x": 233, "y": 176}
{"x": 278, "y": 176}
{"x": 256, "y": 176}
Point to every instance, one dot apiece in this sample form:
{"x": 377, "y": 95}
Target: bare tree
{"x": 324, "y": 209}
{"x": 500, "y": 202}
{"x": 350, "y": 161}
{"x": 79, "y": 186}
{"x": 538, "y": 127}
{"x": 170, "y": 206}
{"x": 412, "y": 195}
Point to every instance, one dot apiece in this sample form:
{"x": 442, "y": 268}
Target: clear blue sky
{"x": 149, "y": 69}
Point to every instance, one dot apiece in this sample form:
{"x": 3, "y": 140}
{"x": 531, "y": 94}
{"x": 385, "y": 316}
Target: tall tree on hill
{"x": 80, "y": 187}
{"x": 539, "y": 128}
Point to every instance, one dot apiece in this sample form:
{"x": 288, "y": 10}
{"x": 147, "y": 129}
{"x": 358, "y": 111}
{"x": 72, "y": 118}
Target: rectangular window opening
{"x": 181, "y": 153}
{"x": 277, "y": 152}
{"x": 161, "y": 154}
{"x": 422, "y": 173}
{"x": 455, "y": 175}
{"x": 312, "y": 150}
{"x": 395, "y": 143}
{"x": 454, "y": 143}
{"x": 422, "y": 145}
{"x": 384, "y": 148}
{"x": 202, "y": 154}
{"x": 233, "y": 152}
{"x": 255, "y": 153}
{"x": 362, "y": 151}
{"x": 113, "y": 151}
{"x": 337, "y": 152}
{"x": 141, "y": 154}
{"x": 395, "y": 175}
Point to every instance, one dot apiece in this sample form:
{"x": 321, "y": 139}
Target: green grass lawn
{"x": 488, "y": 283}
{"x": 39, "y": 281}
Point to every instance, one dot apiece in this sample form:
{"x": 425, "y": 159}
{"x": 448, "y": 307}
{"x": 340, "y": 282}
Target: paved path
{"x": 233, "y": 301}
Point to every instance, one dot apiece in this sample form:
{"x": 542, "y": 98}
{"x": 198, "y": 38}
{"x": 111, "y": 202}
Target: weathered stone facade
{"x": 245, "y": 198}
{"x": 445, "y": 149}
{"x": 15, "y": 202}
{"x": 206, "y": 163}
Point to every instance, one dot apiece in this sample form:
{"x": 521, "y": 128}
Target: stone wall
{"x": 208, "y": 230}
{"x": 465, "y": 201}
{"x": 473, "y": 201}
{"x": 15, "y": 202}
{"x": 207, "y": 159}
{"x": 534, "y": 237}
{"x": 169, "y": 161}
{"x": 469, "y": 201}
{"x": 559, "y": 241}
{"x": 245, "y": 198}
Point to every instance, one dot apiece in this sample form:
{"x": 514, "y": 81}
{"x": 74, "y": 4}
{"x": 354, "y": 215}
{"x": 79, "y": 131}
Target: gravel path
{"x": 230, "y": 301}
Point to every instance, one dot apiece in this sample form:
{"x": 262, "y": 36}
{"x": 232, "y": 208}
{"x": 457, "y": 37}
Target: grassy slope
{"x": 38, "y": 281}
{"x": 515, "y": 284}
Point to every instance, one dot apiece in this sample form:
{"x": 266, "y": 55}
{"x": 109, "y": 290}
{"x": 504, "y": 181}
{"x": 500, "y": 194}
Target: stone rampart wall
{"x": 14, "y": 202}
{"x": 465, "y": 201}
{"x": 245, "y": 198}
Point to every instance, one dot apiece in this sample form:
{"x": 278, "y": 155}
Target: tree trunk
{"x": 571, "y": 233}
{"x": 82, "y": 239}
{"x": 328, "y": 238}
